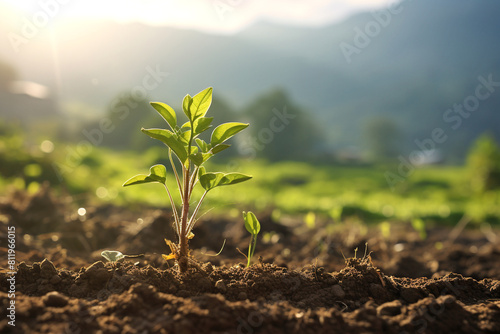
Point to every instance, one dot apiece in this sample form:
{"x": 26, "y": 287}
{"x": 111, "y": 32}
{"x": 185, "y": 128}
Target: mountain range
{"x": 409, "y": 63}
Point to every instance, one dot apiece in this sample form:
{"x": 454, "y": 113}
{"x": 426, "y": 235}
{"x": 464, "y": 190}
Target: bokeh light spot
{"x": 47, "y": 146}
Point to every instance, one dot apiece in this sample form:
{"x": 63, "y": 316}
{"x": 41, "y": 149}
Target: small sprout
{"x": 419, "y": 226}
{"x": 187, "y": 154}
{"x": 253, "y": 227}
{"x": 310, "y": 220}
{"x": 112, "y": 256}
{"x": 115, "y": 256}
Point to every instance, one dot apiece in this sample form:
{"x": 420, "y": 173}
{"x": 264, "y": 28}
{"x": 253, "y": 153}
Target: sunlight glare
{"x": 230, "y": 16}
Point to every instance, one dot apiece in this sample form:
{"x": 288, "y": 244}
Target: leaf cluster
{"x": 192, "y": 152}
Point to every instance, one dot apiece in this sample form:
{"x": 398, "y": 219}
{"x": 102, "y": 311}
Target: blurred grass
{"x": 437, "y": 194}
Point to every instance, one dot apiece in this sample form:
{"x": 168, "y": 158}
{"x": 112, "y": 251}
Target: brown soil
{"x": 447, "y": 283}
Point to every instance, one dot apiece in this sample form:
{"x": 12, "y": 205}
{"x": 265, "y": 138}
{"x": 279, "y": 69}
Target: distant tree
{"x": 381, "y": 135}
{"x": 280, "y": 130}
{"x": 483, "y": 162}
{"x": 127, "y": 114}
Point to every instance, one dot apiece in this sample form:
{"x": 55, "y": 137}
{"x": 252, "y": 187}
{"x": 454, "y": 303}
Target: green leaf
{"x": 157, "y": 173}
{"x": 202, "y": 124}
{"x": 251, "y": 223}
{"x": 207, "y": 156}
{"x": 199, "y": 158}
{"x": 169, "y": 139}
{"x": 201, "y": 172}
{"x": 220, "y": 148}
{"x": 210, "y": 181}
{"x": 167, "y": 112}
{"x": 186, "y": 106}
{"x": 194, "y": 150}
{"x": 184, "y": 137}
{"x": 234, "y": 178}
{"x": 200, "y": 103}
{"x": 225, "y": 131}
{"x": 202, "y": 144}
{"x": 112, "y": 256}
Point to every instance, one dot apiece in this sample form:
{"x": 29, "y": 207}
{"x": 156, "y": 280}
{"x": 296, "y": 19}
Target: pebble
{"x": 242, "y": 296}
{"x": 337, "y": 291}
{"x": 55, "y": 299}
{"x": 221, "y": 286}
{"x": 97, "y": 275}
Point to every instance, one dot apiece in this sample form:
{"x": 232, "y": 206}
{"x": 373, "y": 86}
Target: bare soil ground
{"x": 447, "y": 283}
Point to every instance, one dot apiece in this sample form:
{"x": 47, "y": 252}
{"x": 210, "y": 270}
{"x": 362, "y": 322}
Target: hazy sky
{"x": 206, "y": 15}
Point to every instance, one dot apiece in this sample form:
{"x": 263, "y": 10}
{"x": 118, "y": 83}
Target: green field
{"x": 438, "y": 194}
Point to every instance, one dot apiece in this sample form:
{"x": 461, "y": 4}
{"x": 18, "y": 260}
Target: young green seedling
{"x": 112, "y": 256}
{"x": 253, "y": 227}
{"x": 115, "y": 256}
{"x": 191, "y": 153}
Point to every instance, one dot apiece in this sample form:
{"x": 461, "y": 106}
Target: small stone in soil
{"x": 221, "y": 286}
{"x": 97, "y": 275}
{"x": 337, "y": 291}
{"x": 55, "y": 299}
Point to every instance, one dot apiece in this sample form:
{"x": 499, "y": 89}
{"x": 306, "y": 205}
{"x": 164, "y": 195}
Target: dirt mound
{"x": 302, "y": 283}
{"x": 264, "y": 298}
